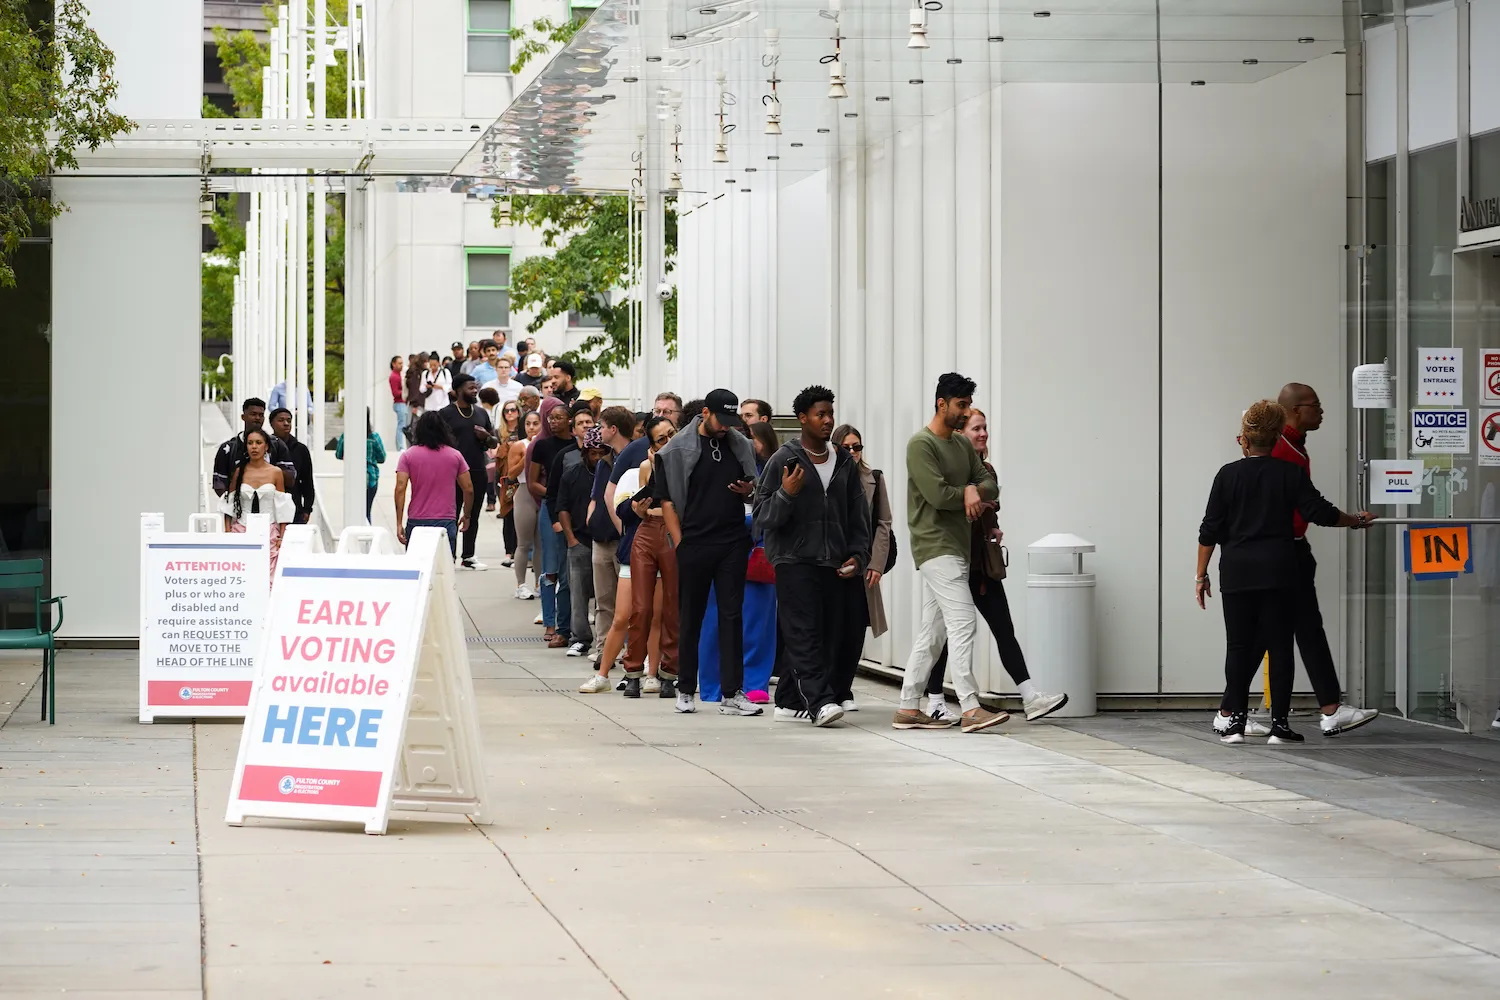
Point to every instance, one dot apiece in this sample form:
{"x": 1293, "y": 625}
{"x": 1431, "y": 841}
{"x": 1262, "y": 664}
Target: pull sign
{"x": 1438, "y": 551}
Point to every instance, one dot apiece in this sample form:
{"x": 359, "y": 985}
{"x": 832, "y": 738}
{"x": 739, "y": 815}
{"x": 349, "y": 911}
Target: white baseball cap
{"x": 533, "y": 361}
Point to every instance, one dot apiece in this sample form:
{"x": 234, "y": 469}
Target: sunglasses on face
{"x": 661, "y": 439}
{"x": 855, "y": 448}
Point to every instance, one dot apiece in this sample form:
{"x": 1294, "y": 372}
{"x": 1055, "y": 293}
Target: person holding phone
{"x": 811, "y": 507}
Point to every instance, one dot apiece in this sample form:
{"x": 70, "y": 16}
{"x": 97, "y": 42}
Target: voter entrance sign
{"x": 362, "y": 701}
{"x": 203, "y": 600}
{"x": 1438, "y": 551}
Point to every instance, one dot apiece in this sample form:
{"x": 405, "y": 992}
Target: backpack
{"x": 894, "y": 550}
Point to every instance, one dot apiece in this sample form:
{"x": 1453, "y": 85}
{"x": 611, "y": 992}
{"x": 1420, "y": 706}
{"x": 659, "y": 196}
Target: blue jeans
{"x": 556, "y": 609}
{"x": 449, "y": 524}
{"x": 403, "y": 417}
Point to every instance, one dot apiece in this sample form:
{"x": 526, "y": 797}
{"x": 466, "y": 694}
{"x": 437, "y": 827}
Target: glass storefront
{"x": 25, "y": 418}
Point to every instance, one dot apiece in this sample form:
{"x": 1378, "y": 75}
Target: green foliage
{"x": 538, "y": 38}
{"x": 55, "y": 88}
{"x": 242, "y": 58}
{"x": 585, "y": 273}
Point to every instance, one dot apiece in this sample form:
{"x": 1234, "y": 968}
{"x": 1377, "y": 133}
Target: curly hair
{"x": 953, "y": 386}
{"x": 809, "y": 397}
{"x": 1262, "y": 424}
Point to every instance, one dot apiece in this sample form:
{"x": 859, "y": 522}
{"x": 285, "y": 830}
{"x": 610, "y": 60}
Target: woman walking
{"x": 872, "y": 614}
{"x": 524, "y": 509}
{"x": 374, "y": 459}
{"x": 258, "y": 487}
{"x": 986, "y": 584}
{"x": 1249, "y": 517}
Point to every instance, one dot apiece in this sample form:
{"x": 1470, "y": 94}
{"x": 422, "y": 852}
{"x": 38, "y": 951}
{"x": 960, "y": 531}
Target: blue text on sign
{"x": 334, "y": 730}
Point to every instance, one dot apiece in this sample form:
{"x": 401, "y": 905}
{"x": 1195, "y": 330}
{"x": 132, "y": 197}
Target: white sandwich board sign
{"x": 203, "y": 601}
{"x": 362, "y": 700}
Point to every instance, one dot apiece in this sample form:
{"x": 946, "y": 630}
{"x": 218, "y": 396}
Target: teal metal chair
{"x": 27, "y": 574}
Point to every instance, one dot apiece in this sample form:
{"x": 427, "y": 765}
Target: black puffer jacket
{"x": 816, "y": 527}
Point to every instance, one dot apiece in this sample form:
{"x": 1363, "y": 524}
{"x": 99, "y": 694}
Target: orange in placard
{"x": 1438, "y": 549}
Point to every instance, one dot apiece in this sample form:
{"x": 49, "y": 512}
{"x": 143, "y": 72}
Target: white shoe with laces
{"x": 650, "y": 685}
{"x": 849, "y": 705}
{"x": 828, "y": 715}
{"x": 939, "y": 710}
{"x": 596, "y": 684}
{"x": 525, "y": 593}
{"x": 789, "y": 715}
{"x": 1040, "y": 705}
{"x": 740, "y": 705}
{"x": 686, "y": 703}
{"x": 577, "y": 649}
{"x": 473, "y": 564}
{"x": 1345, "y": 718}
{"x": 1252, "y": 728}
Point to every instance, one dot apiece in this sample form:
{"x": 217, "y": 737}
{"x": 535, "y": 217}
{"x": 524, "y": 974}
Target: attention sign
{"x": 1438, "y": 551}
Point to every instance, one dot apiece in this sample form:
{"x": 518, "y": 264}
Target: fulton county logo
{"x": 286, "y": 784}
{"x": 185, "y": 694}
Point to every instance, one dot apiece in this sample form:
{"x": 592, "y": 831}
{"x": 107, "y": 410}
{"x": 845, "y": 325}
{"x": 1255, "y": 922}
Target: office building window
{"x": 487, "y": 286}
{"x": 489, "y": 36}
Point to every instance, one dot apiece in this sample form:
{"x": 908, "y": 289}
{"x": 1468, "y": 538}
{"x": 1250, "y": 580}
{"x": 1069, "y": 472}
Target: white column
{"x": 357, "y": 346}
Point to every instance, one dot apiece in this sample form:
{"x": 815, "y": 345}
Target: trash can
{"x": 1060, "y": 642}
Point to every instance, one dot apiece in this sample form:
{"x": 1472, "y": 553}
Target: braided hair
{"x": 238, "y": 477}
{"x": 1262, "y": 424}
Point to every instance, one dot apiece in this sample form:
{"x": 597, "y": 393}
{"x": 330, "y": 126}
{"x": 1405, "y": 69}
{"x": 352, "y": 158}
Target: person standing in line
{"x": 508, "y": 431}
{"x": 416, "y": 367}
{"x": 431, "y": 470}
{"x": 374, "y": 459}
{"x": 302, "y": 491}
{"x": 811, "y": 508}
{"x": 947, "y": 487}
{"x": 398, "y": 400}
{"x": 592, "y": 396}
{"x": 986, "y": 584}
{"x": 455, "y": 364}
{"x": 871, "y": 613}
{"x": 703, "y": 478}
{"x": 754, "y": 411}
{"x": 1304, "y": 414}
{"x": 574, "y": 497}
{"x": 533, "y": 375}
{"x": 615, "y": 424}
{"x": 498, "y": 338}
{"x": 653, "y": 610}
{"x": 473, "y": 437}
{"x": 539, "y": 453}
{"x": 529, "y": 399}
{"x": 619, "y": 627}
{"x": 669, "y": 405}
{"x": 436, "y": 383}
{"x": 569, "y": 454}
{"x": 490, "y": 400}
{"x": 503, "y": 382}
{"x": 1249, "y": 517}
{"x": 563, "y": 372}
{"x": 473, "y": 360}
{"x": 524, "y": 509}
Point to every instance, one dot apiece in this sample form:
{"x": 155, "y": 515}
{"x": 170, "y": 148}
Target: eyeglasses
{"x": 1315, "y": 405}
{"x": 661, "y": 439}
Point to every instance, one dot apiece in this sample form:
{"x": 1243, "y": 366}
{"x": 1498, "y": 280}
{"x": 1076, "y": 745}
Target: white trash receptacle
{"x": 1060, "y": 643}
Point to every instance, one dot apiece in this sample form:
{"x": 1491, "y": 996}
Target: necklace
{"x": 461, "y": 412}
{"x": 816, "y": 454}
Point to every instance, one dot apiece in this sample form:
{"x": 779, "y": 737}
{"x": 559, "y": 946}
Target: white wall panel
{"x": 1432, "y": 62}
{"x": 125, "y": 271}
{"x": 888, "y": 362}
{"x": 1078, "y": 349}
{"x": 1484, "y": 67}
{"x": 1227, "y": 342}
{"x": 1380, "y": 92}
{"x": 158, "y": 47}
{"x": 910, "y": 403}
{"x": 801, "y": 288}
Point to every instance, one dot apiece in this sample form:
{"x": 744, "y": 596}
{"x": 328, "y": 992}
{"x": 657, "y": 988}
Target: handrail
{"x": 1433, "y": 520}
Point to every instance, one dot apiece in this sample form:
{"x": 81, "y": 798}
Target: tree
{"x": 588, "y": 268}
{"x": 538, "y": 38}
{"x": 56, "y": 83}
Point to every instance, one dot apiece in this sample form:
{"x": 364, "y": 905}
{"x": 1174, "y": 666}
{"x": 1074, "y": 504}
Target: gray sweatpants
{"x": 581, "y": 586}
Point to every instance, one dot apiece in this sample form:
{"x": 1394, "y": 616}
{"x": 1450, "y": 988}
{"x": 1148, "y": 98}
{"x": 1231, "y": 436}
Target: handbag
{"x": 994, "y": 557}
{"x": 894, "y": 550}
{"x": 759, "y": 568}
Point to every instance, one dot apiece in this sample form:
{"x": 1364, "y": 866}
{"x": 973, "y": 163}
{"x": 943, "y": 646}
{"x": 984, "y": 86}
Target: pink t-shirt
{"x": 433, "y": 473}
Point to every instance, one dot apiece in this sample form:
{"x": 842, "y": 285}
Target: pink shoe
{"x": 758, "y": 697}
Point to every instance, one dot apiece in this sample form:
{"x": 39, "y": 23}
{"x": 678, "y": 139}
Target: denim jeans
{"x": 553, "y": 575}
{"x": 403, "y": 417}
{"x": 448, "y": 524}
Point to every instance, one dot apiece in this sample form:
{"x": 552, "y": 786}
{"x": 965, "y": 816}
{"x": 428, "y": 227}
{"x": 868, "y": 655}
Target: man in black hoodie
{"x": 811, "y": 508}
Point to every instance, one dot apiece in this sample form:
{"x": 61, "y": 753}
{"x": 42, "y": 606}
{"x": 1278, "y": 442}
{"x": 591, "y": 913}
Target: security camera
{"x": 664, "y": 291}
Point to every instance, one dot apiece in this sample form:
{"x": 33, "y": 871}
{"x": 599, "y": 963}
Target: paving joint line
{"x": 17, "y": 706}
{"x": 198, "y": 853}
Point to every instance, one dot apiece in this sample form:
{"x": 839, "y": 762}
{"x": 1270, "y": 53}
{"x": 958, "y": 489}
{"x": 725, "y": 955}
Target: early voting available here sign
{"x": 1440, "y": 376}
{"x": 362, "y": 699}
{"x": 1396, "y": 481}
{"x": 1439, "y": 432}
{"x": 203, "y": 600}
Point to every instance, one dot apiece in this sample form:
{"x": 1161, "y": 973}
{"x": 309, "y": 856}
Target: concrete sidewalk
{"x": 652, "y": 856}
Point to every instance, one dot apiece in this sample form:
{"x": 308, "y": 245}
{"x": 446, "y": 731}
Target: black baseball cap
{"x": 725, "y": 405}
{"x": 457, "y": 344}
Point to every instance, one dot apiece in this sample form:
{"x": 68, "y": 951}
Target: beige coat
{"x": 880, "y": 541}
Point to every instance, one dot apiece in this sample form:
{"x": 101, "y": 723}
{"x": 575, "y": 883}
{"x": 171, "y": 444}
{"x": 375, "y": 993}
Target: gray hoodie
{"x": 816, "y": 527}
{"x": 676, "y": 459}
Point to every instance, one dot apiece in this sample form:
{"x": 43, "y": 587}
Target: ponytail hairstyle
{"x": 1262, "y": 424}
{"x": 238, "y": 476}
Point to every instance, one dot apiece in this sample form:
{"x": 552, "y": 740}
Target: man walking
{"x": 947, "y": 486}
{"x": 810, "y": 505}
{"x": 1304, "y": 414}
{"x": 703, "y": 477}
{"x": 442, "y": 490}
{"x": 472, "y": 436}
{"x": 302, "y": 489}
{"x": 398, "y": 400}
{"x": 253, "y": 417}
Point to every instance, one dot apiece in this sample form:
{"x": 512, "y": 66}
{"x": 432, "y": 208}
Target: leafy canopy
{"x": 56, "y": 83}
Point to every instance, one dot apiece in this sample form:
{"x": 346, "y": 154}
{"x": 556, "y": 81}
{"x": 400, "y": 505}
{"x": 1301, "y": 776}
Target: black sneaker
{"x": 668, "y": 689}
{"x": 632, "y": 687}
{"x": 1235, "y": 731}
{"x": 1282, "y": 733}
{"x": 621, "y": 686}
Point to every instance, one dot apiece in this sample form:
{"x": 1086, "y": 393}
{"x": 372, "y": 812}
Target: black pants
{"x": 1258, "y": 622}
{"x": 508, "y": 528}
{"x": 811, "y": 617}
{"x": 989, "y": 598}
{"x": 471, "y": 533}
{"x": 854, "y": 619}
{"x": 720, "y": 565}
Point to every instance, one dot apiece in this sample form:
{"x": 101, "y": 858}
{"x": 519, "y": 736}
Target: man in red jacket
{"x": 1304, "y": 414}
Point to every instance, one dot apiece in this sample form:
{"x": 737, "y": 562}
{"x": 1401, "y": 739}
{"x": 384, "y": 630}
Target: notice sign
{"x": 1372, "y": 388}
{"x": 1438, "y": 551}
{"x": 1489, "y": 438}
{"x": 1439, "y": 432}
{"x": 1396, "y": 481}
{"x": 1440, "y": 374}
{"x": 327, "y": 729}
{"x": 1489, "y": 376}
{"x": 203, "y": 600}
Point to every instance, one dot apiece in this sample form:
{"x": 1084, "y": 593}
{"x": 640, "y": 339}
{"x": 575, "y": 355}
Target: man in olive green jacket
{"x": 947, "y": 487}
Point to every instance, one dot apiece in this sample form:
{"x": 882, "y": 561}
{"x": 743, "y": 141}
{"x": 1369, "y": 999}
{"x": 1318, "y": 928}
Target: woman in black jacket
{"x": 1249, "y": 516}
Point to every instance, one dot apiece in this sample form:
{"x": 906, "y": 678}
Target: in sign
{"x": 1438, "y": 551}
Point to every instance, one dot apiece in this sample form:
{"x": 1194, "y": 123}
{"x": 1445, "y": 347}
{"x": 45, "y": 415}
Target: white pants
{"x": 948, "y": 615}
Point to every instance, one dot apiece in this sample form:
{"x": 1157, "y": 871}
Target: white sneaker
{"x": 789, "y": 715}
{"x": 538, "y": 619}
{"x": 828, "y": 715}
{"x": 1345, "y": 718}
{"x": 740, "y": 705}
{"x": 577, "y": 649}
{"x": 686, "y": 703}
{"x": 849, "y": 706}
{"x": 1252, "y": 728}
{"x": 939, "y": 710}
{"x": 473, "y": 564}
{"x": 1040, "y": 705}
{"x": 596, "y": 684}
{"x": 650, "y": 685}
{"x": 1496, "y": 723}
{"x": 525, "y": 593}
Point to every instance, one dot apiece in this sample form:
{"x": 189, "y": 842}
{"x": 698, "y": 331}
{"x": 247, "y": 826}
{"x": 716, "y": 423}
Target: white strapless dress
{"x": 265, "y": 499}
